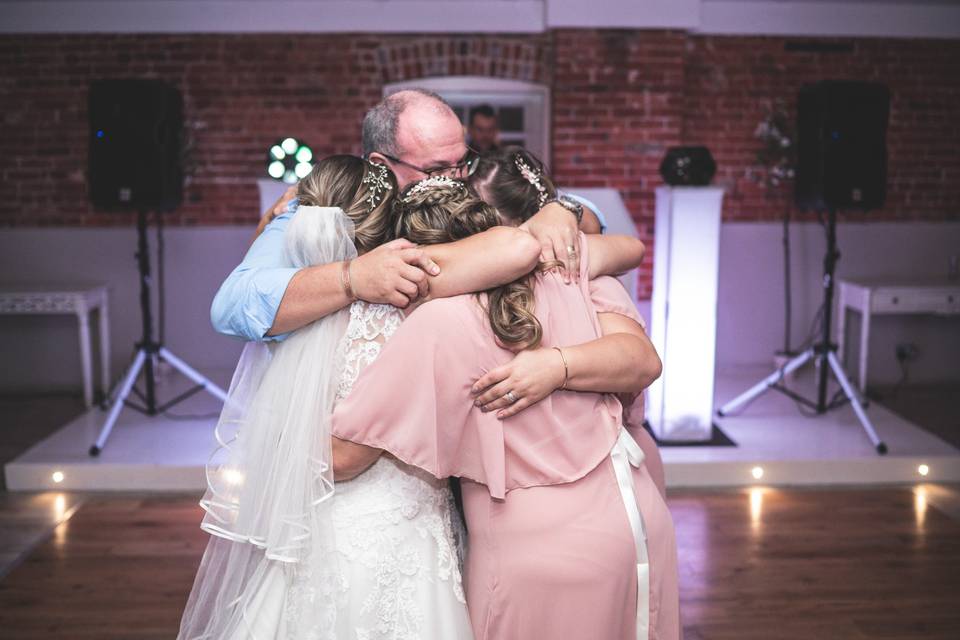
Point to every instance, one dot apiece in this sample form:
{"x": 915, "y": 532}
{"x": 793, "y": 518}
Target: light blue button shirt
{"x": 592, "y": 207}
{"x": 247, "y": 302}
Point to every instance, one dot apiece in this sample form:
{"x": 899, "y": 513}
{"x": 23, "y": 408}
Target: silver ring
{"x": 511, "y": 397}
{"x": 571, "y": 250}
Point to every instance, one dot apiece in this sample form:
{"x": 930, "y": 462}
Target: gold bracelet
{"x": 566, "y": 370}
{"x": 345, "y": 280}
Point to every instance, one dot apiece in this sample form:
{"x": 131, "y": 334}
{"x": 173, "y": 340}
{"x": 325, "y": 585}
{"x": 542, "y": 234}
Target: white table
{"x": 890, "y": 297}
{"x": 77, "y": 300}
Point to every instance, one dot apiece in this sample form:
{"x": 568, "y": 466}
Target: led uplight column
{"x": 683, "y": 311}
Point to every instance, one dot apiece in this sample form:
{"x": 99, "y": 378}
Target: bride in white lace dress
{"x": 396, "y": 527}
{"x": 292, "y": 555}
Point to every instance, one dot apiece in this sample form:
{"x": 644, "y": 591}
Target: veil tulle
{"x": 269, "y": 570}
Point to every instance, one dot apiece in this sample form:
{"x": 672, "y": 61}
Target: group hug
{"x": 435, "y": 429}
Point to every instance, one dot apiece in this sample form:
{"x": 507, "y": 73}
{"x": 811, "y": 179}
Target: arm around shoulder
{"x": 489, "y": 259}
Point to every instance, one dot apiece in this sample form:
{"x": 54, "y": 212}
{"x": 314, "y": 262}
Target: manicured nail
{"x": 435, "y": 270}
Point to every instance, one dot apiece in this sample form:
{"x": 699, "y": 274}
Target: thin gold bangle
{"x": 345, "y": 280}
{"x": 566, "y": 370}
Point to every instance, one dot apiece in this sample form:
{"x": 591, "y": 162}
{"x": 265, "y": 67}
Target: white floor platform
{"x": 164, "y": 454}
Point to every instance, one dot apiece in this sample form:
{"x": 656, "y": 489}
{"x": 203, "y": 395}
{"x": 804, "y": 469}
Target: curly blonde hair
{"x": 342, "y": 181}
{"x": 449, "y": 211}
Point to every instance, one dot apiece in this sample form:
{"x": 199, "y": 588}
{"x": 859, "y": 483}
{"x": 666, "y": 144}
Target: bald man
{"x": 417, "y": 135}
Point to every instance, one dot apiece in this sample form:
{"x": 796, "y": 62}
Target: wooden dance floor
{"x": 764, "y": 564}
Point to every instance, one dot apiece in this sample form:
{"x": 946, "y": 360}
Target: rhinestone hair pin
{"x": 431, "y": 183}
{"x": 377, "y": 184}
{"x": 533, "y": 177}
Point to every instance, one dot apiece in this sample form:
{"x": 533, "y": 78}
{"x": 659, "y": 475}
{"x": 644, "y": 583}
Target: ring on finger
{"x": 571, "y": 250}
{"x": 510, "y": 397}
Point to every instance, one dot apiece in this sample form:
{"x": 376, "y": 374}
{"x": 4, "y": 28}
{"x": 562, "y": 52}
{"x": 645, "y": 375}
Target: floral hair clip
{"x": 533, "y": 177}
{"x": 431, "y": 183}
{"x": 377, "y": 184}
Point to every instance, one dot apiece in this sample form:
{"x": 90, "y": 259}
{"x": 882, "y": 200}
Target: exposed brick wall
{"x": 241, "y": 92}
{"x": 732, "y": 83}
{"x": 617, "y": 106}
{"x": 620, "y": 98}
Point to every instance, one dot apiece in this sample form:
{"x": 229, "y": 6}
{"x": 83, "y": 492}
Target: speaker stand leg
{"x": 766, "y": 383}
{"x": 855, "y": 402}
{"x": 124, "y": 390}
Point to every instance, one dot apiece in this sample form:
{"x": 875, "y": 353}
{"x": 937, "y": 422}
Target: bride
{"x": 292, "y": 555}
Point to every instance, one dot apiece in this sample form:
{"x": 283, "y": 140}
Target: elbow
{"x": 637, "y": 251}
{"x": 345, "y": 467}
{"x": 527, "y": 249}
{"x": 648, "y": 368}
{"x": 350, "y": 459}
{"x": 219, "y": 312}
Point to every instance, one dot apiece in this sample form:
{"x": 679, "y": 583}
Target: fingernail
{"x": 435, "y": 270}
{"x": 500, "y": 416}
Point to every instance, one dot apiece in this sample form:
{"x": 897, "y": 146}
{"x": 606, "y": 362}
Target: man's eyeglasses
{"x": 464, "y": 168}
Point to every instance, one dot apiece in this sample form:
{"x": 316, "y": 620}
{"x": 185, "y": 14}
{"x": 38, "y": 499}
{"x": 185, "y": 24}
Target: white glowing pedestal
{"x": 683, "y": 314}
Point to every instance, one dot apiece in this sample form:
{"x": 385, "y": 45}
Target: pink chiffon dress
{"x": 569, "y": 535}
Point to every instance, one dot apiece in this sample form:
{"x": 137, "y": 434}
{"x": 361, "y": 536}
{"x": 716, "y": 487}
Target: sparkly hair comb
{"x": 431, "y": 183}
{"x": 533, "y": 177}
{"x": 377, "y": 184}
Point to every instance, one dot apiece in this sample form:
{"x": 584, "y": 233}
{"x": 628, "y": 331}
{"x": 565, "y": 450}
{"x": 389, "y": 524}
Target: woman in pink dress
{"x": 516, "y": 183}
{"x": 569, "y": 535}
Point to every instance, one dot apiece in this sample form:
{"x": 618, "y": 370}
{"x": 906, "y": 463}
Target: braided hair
{"x": 435, "y": 211}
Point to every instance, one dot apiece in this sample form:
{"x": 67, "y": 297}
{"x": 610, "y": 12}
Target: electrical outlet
{"x": 907, "y": 352}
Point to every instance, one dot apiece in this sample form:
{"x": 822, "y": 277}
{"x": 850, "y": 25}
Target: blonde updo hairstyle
{"x": 448, "y": 212}
{"x": 338, "y": 181}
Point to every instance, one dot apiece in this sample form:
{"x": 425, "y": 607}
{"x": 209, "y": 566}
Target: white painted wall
{"x": 750, "y": 308}
{"x": 887, "y": 18}
{"x": 40, "y": 353}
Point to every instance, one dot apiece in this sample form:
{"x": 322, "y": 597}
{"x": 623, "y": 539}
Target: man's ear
{"x": 376, "y": 158}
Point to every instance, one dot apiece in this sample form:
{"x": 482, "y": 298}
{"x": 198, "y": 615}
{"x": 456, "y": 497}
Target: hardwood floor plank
{"x": 763, "y": 564}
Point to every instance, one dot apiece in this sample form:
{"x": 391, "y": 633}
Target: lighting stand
{"x": 823, "y": 352}
{"x": 148, "y": 352}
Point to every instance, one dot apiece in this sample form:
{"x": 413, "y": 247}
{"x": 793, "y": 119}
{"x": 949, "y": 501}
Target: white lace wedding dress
{"x": 396, "y": 527}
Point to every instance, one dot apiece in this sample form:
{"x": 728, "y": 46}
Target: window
{"x": 523, "y": 108}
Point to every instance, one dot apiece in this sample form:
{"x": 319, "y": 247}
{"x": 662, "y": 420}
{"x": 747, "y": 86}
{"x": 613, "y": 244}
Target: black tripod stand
{"x": 148, "y": 352}
{"x": 825, "y": 354}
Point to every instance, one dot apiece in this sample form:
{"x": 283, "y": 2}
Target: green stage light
{"x": 289, "y": 160}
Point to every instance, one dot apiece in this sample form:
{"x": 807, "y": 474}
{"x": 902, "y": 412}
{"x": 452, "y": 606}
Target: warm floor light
{"x": 232, "y": 476}
{"x": 57, "y": 476}
{"x": 923, "y": 470}
{"x": 757, "y": 472}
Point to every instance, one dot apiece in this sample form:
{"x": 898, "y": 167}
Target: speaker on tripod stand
{"x": 842, "y": 164}
{"x": 135, "y": 128}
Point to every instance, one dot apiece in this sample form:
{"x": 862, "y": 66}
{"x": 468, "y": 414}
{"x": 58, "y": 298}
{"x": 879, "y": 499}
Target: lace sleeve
{"x": 371, "y": 325}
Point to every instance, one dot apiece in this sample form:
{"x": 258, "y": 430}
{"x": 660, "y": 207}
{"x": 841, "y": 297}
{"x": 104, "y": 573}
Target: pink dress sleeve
{"x": 609, "y": 296}
{"x": 427, "y": 419}
{"x": 414, "y": 401}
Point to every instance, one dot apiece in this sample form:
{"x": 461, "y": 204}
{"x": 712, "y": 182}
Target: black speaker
{"x": 135, "y": 129}
{"x": 688, "y": 167}
{"x": 842, "y": 145}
